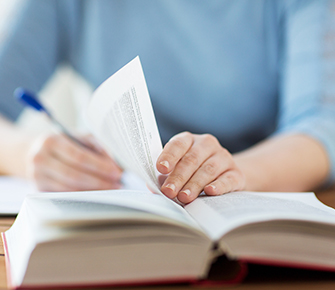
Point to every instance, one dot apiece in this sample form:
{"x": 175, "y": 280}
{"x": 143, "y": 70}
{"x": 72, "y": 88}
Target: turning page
{"x": 120, "y": 115}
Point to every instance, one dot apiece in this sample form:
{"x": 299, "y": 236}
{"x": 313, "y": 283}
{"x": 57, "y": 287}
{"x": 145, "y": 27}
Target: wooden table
{"x": 5, "y": 223}
{"x": 259, "y": 277}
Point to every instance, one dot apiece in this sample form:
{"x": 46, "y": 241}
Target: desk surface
{"x": 259, "y": 277}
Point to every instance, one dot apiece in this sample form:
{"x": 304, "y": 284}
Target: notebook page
{"x": 13, "y": 190}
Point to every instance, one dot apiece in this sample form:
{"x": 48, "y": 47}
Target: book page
{"x": 108, "y": 205}
{"x": 13, "y": 190}
{"x": 131, "y": 181}
{"x": 120, "y": 115}
{"x": 218, "y": 215}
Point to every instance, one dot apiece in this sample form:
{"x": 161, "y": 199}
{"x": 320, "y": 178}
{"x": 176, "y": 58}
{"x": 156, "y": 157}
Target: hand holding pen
{"x": 63, "y": 162}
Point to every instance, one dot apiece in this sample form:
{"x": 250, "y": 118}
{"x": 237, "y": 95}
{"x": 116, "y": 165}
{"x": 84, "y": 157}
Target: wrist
{"x": 254, "y": 175}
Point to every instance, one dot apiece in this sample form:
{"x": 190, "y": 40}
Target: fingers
{"x": 173, "y": 151}
{"x": 58, "y": 164}
{"x": 200, "y": 163}
{"x": 208, "y": 172}
{"x": 185, "y": 166}
{"x": 48, "y": 184}
{"x": 229, "y": 181}
{"x": 85, "y": 160}
{"x": 72, "y": 179}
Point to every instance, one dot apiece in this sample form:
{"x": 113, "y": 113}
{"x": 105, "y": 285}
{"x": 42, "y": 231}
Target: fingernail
{"x": 171, "y": 186}
{"x": 213, "y": 187}
{"x": 165, "y": 164}
{"x": 187, "y": 192}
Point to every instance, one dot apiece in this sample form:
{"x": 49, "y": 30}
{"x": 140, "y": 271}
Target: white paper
{"x": 120, "y": 115}
{"x": 13, "y": 190}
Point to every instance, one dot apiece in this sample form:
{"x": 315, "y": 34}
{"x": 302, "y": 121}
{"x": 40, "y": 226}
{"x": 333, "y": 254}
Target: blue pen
{"x": 28, "y": 99}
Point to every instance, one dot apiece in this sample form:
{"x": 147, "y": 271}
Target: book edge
{"x": 186, "y": 280}
{"x": 287, "y": 264}
{"x": 10, "y": 283}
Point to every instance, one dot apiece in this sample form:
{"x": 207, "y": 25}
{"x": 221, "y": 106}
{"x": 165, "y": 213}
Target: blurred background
{"x": 65, "y": 85}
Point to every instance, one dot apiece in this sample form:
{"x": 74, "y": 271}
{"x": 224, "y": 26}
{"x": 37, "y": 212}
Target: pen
{"x": 28, "y": 99}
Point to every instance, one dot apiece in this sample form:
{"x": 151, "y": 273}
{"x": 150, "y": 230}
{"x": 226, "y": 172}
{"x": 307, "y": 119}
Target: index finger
{"x": 173, "y": 151}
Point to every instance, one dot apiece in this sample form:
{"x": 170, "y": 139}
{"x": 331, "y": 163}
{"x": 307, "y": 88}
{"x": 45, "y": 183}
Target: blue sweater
{"x": 241, "y": 70}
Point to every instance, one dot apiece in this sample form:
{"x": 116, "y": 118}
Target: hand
{"x": 196, "y": 163}
{"x": 58, "y": 164}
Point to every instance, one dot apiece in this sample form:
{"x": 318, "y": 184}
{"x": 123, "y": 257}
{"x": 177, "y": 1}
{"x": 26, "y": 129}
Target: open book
{"x": 124, "y": 237}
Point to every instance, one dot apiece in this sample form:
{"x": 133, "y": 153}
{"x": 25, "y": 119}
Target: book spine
{"x": 237, "y": 279}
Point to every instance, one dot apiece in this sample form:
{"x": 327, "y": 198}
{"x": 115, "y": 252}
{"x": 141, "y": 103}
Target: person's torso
{"x": 210, "y": 66}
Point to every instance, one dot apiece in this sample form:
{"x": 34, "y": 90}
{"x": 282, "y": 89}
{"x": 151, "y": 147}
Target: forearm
{"x": 284, "y": 163}
{"x": 14, "y": 146}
